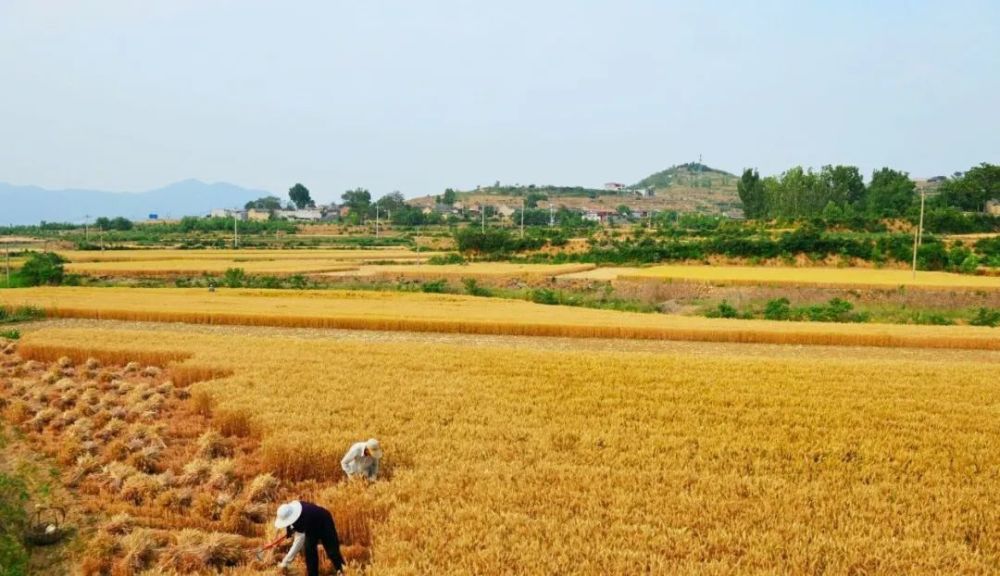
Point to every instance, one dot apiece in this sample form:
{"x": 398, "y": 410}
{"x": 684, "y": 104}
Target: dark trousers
{"x": 328, "y": 537}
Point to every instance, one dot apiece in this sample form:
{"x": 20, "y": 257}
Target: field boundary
{"x": 789, "y": 336}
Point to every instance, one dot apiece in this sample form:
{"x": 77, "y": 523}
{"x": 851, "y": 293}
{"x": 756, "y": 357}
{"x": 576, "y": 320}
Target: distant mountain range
{"x": 31, "y": 204}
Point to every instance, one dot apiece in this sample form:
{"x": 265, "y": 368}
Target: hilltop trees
{"x": 449, "y": 197}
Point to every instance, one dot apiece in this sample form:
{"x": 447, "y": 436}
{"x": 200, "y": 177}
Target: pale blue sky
{"x": 422, "y": 95}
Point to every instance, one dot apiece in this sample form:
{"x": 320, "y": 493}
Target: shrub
{"x": 473, "y": 288}
{"x": 435, "y": 287}
{"x": 724, "y": 310}
{"x": 544, "y": 296}
{"x": 234, "y": 278}
{"x": 933, "y": 319}
{"x": 43, "y": 268}
{"x": 986, "y": 317}
{"x": 778, "y": 309}
{"x": 449, "y": 258}
{"x": 10, "y": 334}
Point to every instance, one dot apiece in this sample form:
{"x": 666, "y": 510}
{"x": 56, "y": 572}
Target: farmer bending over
{"x": 309, "y": 525}
{"x": 361, "y": 461}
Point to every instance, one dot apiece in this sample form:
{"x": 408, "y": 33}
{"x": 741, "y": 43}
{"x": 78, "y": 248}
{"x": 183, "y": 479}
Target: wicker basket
{"x": 46, "y": 527}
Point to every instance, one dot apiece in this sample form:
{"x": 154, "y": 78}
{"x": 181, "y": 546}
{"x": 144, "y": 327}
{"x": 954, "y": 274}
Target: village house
{"x": 227, "y": 213}
{"x": 255, "y": 215}
{"x": 301, "y": 215}
{"x": 600, "y": 215}
{"x": 993, "y": 207}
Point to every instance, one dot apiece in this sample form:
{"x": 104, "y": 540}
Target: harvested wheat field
{"x": 603, "y": 458}
{"x": 373, "y": 254}
{"x": 845, "y": 277}
{"x": 464, "y": 314}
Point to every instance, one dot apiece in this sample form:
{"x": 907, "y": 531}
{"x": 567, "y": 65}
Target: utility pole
{"x": 102, "y": 237}
{"x": 236, "y": 231}
{"x": 918, "y": 235}
{"x": 522, "y": 217}
{"x": 920, "y": 241}
{"x": 6, "y": 252}
{"x": 376, "y": 219}
{"x": 552, "y": 216}
{"x": 483, "y": 210}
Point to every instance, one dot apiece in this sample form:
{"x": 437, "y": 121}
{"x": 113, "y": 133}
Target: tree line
{"x": 840, "y": 192}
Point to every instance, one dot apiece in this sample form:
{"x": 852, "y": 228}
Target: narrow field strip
{"x": 467, "y": 315}
{"x": 170, "y": 268}
{"x": 242, "y": 255}
{"x": 830, "y": 277}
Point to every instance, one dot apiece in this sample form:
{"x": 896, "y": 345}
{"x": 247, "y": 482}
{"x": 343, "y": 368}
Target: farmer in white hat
{"x": 308, "y": 525}
{"x": 362, "y": 460}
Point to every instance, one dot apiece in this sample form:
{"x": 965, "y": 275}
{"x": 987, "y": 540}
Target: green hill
{"x": 690, "y": 175}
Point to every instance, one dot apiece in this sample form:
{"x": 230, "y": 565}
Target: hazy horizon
{"x": 114, "y": 95}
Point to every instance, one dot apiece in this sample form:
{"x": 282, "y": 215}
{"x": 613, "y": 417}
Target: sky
{"x": 419, "y": 96}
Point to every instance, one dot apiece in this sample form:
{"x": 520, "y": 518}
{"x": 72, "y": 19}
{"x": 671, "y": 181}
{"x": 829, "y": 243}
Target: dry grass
{"x": 467, "y": 315}
{"x": 504, "y": 461}
{"x": 833, "y": 277}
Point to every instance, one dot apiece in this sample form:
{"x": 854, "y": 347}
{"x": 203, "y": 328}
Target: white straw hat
{"x": 288, "y": 514}
{"x": 374, "y": 448}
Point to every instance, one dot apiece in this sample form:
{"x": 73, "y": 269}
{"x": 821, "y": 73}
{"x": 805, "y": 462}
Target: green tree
{"x": 299, "y": 195}
{"x": 392, "y": 203}
{"x": 42, "y": 268}
{"x": 846, "y": 184}
{"x": 890, "y": 193}
{"x": 751, "y": 191}
{"x": 269, "y": 203}
{"x": 120, "y": 223}
{"x": 357, "y": 200}
{"x": 533, "y": 198}
{"x": 972, "y": 190}
{"x": 449, "y": 197}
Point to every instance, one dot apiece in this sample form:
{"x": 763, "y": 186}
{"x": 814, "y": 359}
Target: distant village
{"x": 458, "y": 210}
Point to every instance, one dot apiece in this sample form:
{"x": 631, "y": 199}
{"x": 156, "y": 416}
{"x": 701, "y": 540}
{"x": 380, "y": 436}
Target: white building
{"x": 227, "y": 213}
{"x": 303, "y": 215}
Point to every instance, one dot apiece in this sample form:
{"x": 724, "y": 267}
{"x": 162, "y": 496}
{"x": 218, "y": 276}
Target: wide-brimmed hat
{"x": 374, "y": 448}
{"x": 288, "y": 514}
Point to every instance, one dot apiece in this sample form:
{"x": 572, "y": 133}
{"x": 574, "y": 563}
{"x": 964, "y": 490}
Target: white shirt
{"x": 297, "y": 543}
{"x": 357, "y": 463}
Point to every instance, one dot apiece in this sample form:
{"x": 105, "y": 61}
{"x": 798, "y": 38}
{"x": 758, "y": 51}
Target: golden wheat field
{"x": 606, "y": 459}
{"x": 151, "y": 268}
{"x": 464, "y": 314}
{"x": 825, "y": 276}
{"x": 471, "y": 270}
